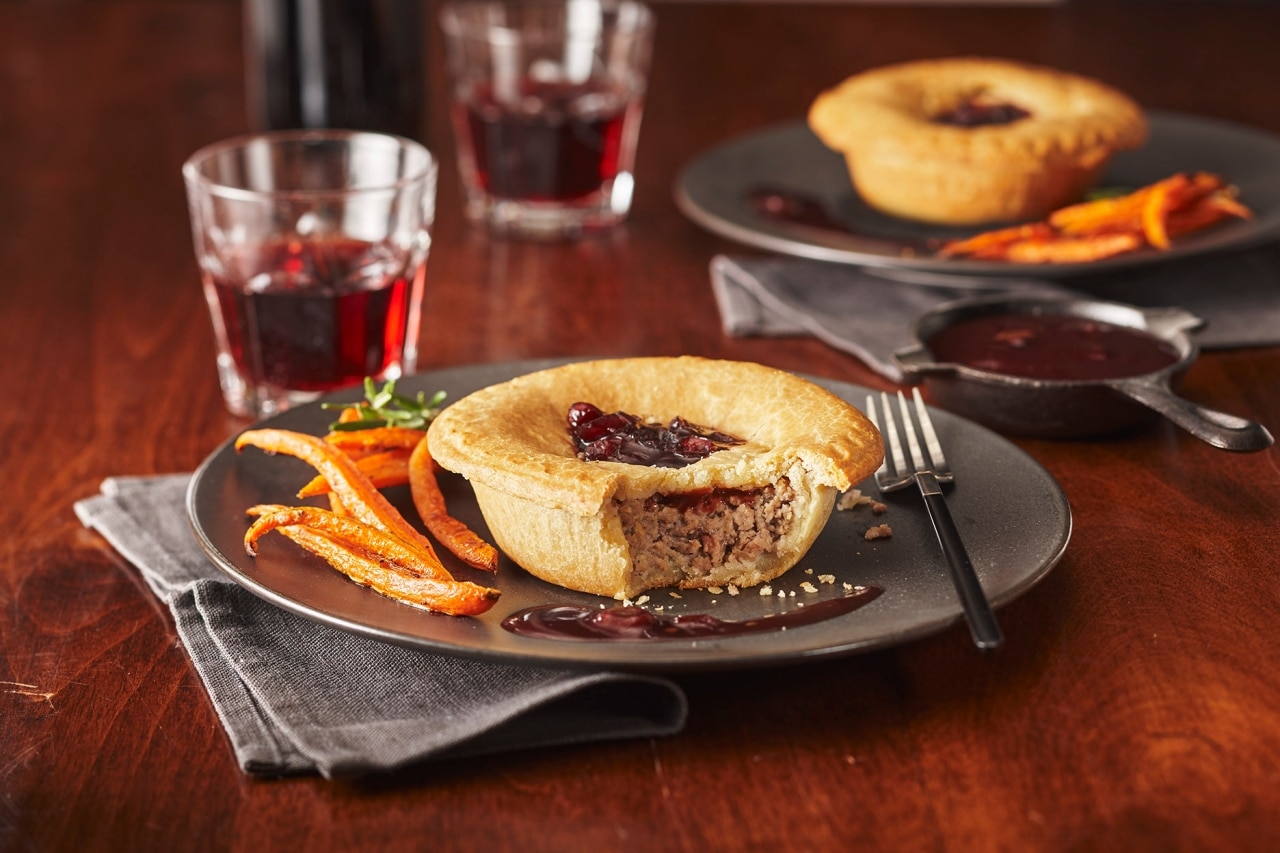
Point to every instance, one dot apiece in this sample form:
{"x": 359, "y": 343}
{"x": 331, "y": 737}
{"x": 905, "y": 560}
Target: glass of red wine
{"x": 312, "y": 247}
{"x": 546, "y": 100}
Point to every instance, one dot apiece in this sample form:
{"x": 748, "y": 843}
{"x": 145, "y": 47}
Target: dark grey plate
{"x": 715, "y": 190}
{"x": 1012, "y": 514}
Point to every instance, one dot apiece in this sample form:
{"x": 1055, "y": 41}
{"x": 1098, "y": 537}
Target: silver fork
{"x": 928, "y": 468}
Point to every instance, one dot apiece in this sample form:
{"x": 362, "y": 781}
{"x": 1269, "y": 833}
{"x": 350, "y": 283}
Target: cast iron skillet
{"x": 1068, "y": 408}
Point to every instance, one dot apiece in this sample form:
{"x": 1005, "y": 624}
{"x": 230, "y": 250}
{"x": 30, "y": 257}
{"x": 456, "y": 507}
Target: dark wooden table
{"x": 1135, "y": 706}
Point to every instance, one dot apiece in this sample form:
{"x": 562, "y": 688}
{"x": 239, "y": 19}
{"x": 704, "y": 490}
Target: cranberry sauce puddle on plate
{"x": 580, "y": 622}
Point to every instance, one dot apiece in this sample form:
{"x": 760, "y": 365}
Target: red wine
{"x": 316, "y": 315}
{"x": 555, "y": 142}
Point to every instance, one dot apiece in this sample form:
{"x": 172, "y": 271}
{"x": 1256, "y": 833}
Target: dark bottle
{"x": 355, "y": 64}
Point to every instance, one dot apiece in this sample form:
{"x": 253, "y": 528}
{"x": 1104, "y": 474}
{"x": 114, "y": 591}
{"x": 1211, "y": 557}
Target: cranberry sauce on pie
{"x": 980, "y": 112}
{"x": 622, "y": 437}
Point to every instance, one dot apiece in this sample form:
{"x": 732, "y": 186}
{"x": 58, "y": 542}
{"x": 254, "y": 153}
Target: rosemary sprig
{"x": 383, "y": 407}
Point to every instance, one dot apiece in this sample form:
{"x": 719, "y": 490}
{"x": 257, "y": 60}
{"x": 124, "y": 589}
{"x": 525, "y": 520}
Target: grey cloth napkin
{"x": 296, "y": 696}
{"x": 869, "y": 315}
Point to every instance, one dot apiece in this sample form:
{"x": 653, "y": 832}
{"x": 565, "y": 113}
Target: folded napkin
{"x": 869, "y": 314}
{"x": 296, "y": 696}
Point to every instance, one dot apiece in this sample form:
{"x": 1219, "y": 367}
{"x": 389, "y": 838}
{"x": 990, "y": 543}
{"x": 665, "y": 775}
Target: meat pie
{"x": 726, "y": 474}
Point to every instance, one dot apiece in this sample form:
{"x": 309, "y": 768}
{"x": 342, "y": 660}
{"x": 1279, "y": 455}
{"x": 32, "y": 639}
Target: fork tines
{"x": 936, "y": 462}
{"x": 907, "y": 434}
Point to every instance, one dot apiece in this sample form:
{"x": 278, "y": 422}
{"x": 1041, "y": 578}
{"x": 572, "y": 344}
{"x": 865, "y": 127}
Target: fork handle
{"x": 977, "y": 610}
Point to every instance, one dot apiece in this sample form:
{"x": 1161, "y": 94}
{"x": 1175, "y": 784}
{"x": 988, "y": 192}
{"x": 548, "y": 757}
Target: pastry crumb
{"x": 715, "y": 590}
{"x": 855, "y": 498}
{"x": 674, "y": 594}
{"x": 852, "y": 498}
{"x": 644, "y": 599}
{"x": 808, "y": 587}
{"x": 880, "y": 531}
{"x": 733, "y": 590}
{"x": 766, "y": 590}
{"x": 848, "y": 587}
{"x": 826, "y": 579}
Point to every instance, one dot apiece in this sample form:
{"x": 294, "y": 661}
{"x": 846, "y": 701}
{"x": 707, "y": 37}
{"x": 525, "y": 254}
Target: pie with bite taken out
{"x": 970, "y": 141}
{"x": 740, "y": 513}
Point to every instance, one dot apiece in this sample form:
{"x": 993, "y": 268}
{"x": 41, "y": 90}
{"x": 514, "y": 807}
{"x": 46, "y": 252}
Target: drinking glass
{"x": 547, "y": 97}
{"x": 312, "y": 248}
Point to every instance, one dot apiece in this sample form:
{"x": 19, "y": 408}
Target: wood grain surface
{"x": 1136, "y": 705}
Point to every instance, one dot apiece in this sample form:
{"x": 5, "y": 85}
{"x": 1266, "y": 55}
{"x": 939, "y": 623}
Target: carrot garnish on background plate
{"x": 1151, "y": 216}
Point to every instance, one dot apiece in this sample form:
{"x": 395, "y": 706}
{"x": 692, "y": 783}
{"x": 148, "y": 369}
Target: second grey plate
{"x": 717, "y": 188}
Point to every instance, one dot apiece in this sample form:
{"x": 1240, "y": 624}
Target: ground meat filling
{"x": 697, "y": 539}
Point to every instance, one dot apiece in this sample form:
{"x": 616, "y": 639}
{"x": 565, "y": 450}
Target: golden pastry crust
{"x": 905, "y": 163}
{"x": 558, "y": 516}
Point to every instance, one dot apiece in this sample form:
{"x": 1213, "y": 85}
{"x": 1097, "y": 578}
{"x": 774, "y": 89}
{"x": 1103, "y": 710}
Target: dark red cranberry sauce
{"x": 622, "y": 437}
{"x": 580, "y": 622}
{"x": 785, "y": 205}
{"x": 980, "y": 112}
{"x": 1051, "y": 346}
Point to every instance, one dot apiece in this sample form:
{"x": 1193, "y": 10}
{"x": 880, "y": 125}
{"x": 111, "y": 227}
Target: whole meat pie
{"x": 971, "y": 140}
{"x": 617, "y": 476}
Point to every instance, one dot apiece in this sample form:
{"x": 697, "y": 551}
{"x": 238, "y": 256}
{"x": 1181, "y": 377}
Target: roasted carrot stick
{"x": 1229, "y": 205}
{"x": 357, "y": 494}
{"x": 376, "y": 439}
{"x": 451, "y": 533}
{"x": 371, "y": 558}
{"x": 1066, "y": 250}
{"x": 994, "y": 240}
{"x": 388, "y": 468}
{"x": 1155, "y": 214}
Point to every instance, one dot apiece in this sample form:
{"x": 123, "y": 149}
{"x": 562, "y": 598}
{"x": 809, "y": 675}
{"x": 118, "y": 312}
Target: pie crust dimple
{"x": 559, "y": 517}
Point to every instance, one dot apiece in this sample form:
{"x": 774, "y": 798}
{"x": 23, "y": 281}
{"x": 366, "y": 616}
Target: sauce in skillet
{"x": 1051, "y": 346}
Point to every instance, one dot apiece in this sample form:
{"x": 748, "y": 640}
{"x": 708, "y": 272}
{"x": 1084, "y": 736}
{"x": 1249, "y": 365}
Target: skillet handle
{"x": 1220, "y": 429}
